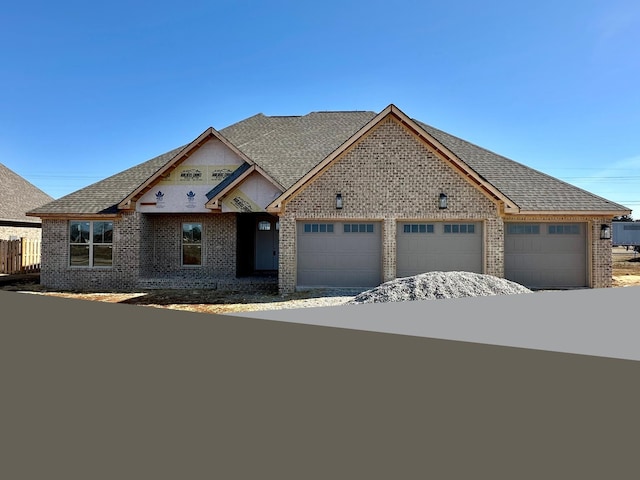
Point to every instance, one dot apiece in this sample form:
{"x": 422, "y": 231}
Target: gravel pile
{"x": 436, "y": 285}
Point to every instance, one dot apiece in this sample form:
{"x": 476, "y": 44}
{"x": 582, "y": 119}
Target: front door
{"x": 267, "y": 248}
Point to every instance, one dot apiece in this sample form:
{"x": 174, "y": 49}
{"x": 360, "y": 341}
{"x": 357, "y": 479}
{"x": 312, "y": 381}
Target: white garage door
{"x": 546, "y": 255}
{"x": 438, "y": 246}
{"x": 339, "y": 254}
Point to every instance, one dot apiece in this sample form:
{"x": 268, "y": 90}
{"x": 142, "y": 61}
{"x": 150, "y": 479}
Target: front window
{"x": 90, "y": 244}
{"x": 192, "y": 244}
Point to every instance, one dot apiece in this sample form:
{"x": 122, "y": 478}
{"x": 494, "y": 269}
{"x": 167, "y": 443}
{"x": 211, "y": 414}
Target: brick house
{"x": 342, "y": 199}
{"x": 17, "y": 196}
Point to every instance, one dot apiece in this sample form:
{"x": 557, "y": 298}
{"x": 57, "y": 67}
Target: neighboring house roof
{"x": 289, "y": 150}
{"x": 18, "y": 196}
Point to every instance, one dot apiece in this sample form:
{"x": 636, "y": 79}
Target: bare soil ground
{"x": 626, "y": 272}
{"x": 626, "y": 268}
{"x": 204, "y": 301}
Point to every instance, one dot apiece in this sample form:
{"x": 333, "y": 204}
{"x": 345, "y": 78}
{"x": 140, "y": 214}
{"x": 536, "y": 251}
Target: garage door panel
{"x": 553, "y": 257}
{"x": 319, "y": 262}
{"x": 339, "y": 258}
{"x": 434, "y": 250}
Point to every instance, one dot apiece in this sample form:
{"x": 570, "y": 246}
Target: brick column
{"x": 601, "y": 256}
{"x": 494, "y": 253}
{"x": 389, "y": 249}
{"x": 287, "y": 256}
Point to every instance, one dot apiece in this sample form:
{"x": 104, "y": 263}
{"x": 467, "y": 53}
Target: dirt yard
{"x": 626, "y": 272}
{"x": 626, "y": 268}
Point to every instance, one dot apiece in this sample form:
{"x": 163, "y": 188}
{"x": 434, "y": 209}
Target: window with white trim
{"x": 191, "y": 244}
{"x": 90, "y": 243}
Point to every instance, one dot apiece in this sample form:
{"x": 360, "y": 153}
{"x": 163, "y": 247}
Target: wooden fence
{"x": 19, "y": 256}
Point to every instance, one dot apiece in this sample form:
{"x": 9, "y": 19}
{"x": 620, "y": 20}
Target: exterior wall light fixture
{"x": 338, "y": 201}
{"x": 605, "y": 232}
{"x": 442, "y": 201}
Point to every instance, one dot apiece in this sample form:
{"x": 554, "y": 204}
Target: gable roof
{"x": 290, "y": 150}
{"x": 434, "y": 146}
{"x": 288, "y": 147}
{"x": 17, "y": 196}
{"x": 184, "y": 153}
{"x": 271, "y": 140}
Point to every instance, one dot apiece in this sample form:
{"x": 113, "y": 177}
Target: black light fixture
{"x": 442, "y": 201}
{"x": 338, "y": 201}
{"x": 605, "y": 232}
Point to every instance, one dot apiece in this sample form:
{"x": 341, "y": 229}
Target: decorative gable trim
{"x": 506, "y": 205}
{"x": 181, "y": 156}
{"x": 215, "y": 202}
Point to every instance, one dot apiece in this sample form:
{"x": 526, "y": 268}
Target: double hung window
{"x": 90, "y": 243}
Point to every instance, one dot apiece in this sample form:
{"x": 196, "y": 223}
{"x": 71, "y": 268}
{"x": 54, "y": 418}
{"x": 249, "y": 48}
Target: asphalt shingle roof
{"x": 18, "y": 196}
{"x": 227, "y": 181}
{"x": 530, "y": 189}
{"x": 287, "y": 148}
{"x": 104, "y": 196}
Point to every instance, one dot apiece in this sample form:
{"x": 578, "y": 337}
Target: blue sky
{"x": 90, "y": 89}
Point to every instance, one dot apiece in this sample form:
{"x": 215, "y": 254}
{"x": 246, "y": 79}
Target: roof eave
{"x": 573, "y": 213}
{"x": 19, "y": 223}
{"x": 74, "y": 216}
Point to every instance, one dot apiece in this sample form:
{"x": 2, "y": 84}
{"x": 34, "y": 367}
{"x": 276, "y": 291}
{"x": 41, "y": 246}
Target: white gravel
{"x": 438, "y": 285}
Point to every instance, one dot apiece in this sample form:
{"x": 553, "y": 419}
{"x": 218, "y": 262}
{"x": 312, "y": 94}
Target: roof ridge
{"x": 341, "y": 111}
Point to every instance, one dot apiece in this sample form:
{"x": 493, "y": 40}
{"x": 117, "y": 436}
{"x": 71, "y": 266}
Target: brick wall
{"x": 161, "y": 249}
{"x": 56, "y": 273}
{"x": 9, "y": 231}
{"x": 146, "y": 254}
{"x": 391, "y": 176}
